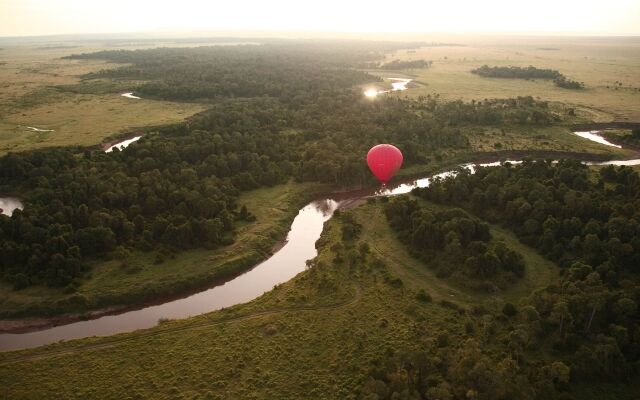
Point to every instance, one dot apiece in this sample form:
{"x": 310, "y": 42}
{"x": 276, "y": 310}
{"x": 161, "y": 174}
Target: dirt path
{"x": 421, "y": 278}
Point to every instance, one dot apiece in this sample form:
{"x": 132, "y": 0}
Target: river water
{"x": 397, "y": 84}
{"x": 595, "y": 137}
{"x": 8, "y": 204}
{"x": 129, "y": 95}
{"x": 283, "y": 265}
{"x": 123, "y": 144}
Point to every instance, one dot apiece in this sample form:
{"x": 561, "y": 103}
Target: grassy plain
{"x": 314, "y": 336}
{"x": 113, "y": 282}
{"x": 554, "y": 138}
{"x": 599, "y": 62}
{"x": 31, "y": 78}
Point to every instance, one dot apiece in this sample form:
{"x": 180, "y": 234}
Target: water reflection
{"x": 397, "y": 84}
{"x": 371, "y": 93}
{"x": 326, "y": 206}
{"x": 33, "y": 128}
{"x": 130, "y": 95}
{"x": 123, "y": 144}
{"x": 594, "y": 137}
{"x": 8, "y": 204}
{"x": 281, "y": 267}
{"x": 407, "y": 187}
{"x": 617, "y": 162}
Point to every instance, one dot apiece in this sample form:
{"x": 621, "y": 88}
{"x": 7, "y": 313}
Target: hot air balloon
{"x": 384, "y": 161}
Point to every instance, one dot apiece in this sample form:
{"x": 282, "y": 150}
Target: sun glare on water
{"x": 371, "y": 93}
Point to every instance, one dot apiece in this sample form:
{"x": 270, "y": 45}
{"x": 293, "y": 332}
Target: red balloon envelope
{"x": 384, "y": 161}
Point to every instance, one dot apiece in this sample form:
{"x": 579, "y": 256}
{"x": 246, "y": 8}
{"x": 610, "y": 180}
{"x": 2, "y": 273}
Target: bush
{"x": 509, "y": 310}
{"x": 423, "y": 296}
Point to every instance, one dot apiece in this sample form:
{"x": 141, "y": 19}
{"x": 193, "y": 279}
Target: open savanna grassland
{"x": 32, "y": 94}
{"x": 599, "y": 62}
{"x": 552, "y": 138}
{"x": 140, "y": 277}
{"x": 312, "y": 337}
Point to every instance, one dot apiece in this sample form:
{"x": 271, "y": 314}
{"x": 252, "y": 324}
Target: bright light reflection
{"x": 371, "y": 93}
{"x": 593, "y": 136}
{"x": 397, "y": 85}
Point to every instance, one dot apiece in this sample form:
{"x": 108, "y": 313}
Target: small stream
{"x": 34, "y": 129}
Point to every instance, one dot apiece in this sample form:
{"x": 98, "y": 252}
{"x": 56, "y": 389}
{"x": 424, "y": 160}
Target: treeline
{"x": 398, "y": 64}
{"x": 523, "y": 110}
{"x": 442, "y": 369}
{"x": 567, "y": 83}
{"x": 512, "y": 72}
{"x": 455, "y": 245}
{"x": 528, "y": 73}
{"x": 632, "y": 138}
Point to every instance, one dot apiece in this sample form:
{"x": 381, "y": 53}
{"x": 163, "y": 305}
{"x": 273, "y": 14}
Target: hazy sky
{"x": 41, "y": 17}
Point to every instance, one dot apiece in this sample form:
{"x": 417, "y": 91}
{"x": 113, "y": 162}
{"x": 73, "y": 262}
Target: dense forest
{"x": 177, "y": 187}
{"x": 294, "y": 72}
{"x": 562, "y": 210}
{"x": 399, "y": 64}
{"x": 455, "y": 245}
{"x": 443, "y": 370}
{"x": 588, "y": 224}
{"x": 530, "y": 72}
{"x": 583, "y": 328}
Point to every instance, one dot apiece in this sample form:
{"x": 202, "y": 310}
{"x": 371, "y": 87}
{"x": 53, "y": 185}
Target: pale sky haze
{"x": 47, "y": 17}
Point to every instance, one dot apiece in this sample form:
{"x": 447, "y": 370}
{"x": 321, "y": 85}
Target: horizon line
{"x": 227, "y": 33}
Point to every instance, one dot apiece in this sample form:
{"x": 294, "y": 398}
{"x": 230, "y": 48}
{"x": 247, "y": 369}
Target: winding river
{"x": 283, "y": 265}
